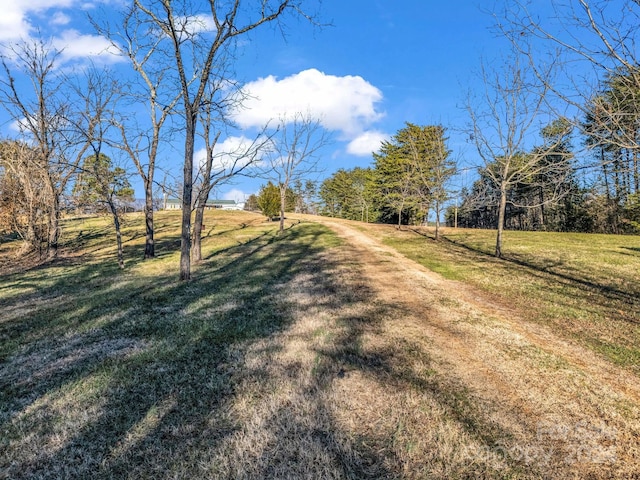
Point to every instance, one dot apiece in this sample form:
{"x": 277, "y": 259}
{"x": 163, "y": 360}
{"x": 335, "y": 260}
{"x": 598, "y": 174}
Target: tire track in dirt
{"x": 542, "y": 337}
{"x": 524, "y": 373}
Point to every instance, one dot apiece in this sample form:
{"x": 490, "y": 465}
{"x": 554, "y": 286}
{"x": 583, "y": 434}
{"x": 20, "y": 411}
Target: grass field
{"x": 261, "y": 366}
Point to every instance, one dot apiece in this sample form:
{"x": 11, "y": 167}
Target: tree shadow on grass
{"x": 97, "y": 238}
{"x": 237, "y": 251}
{"x": 391, "y": 366}
{"x": 137, "y": 378}
{"x": 147, "y": 339}
{"x": 212, "y": 232}
{"x": 545, "y": 269}
{"x": 128, "y": 378}
{"x": 304, "y": 426}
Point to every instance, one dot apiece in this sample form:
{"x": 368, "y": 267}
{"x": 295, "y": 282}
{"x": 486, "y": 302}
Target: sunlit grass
{"x": 95, "y": 356}
{"x": 277, "y": 360}
{"x": 584, "y": 285}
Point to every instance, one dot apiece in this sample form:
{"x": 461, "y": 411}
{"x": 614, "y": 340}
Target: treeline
{"x": 407, "y": 181}
{"x": 583, "y": 176}
{"x": 588, "y": 181}
{"x": 301, "y": 197}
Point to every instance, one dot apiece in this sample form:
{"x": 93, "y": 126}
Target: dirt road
{"x": 529, "y": 398}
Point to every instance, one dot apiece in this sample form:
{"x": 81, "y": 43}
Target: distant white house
{"x": 175, "y": 204}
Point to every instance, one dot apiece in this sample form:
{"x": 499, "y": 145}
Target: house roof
{"x": 175, "y": 201}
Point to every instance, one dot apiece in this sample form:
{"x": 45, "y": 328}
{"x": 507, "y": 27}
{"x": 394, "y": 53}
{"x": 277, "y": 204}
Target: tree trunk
{"x": 31, "y": 238}
{"x": 455, "y": 215}
{"x": 54, "y": 227}
{"x": 187, "y": 190}
{"x": 542, "y": 215}
{"x": 616, "y": 178}
{"x": 283, "y": 199}
{"x": 149, "y": 244}
{"x": 605, "y": 172}
{"x": 437, "y": 209}
{"x": 636, "y": 173}
{"x": 196, "y": 248}
{"x": 501, "y": 214}
{"x": 116, "y": 224}
{"x": 627, "y": 173}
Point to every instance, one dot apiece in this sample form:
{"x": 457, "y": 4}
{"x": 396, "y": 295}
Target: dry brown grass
{"x": 340, "y": 394}
{"x": 536, "y": 403}
{"x": 301, "y": 357}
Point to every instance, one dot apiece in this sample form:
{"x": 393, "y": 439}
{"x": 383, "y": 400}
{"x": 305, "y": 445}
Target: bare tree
{"x": 43, "y": 117}
{"x": 196, "y": 41}
{"x": 98, "y": 180}
{"x": 589, "y": 44}
{"x": 510, "y": 111}
{"x": 220, "y": 167}
{"x": 221, "y": 96}
{"x": 23, "y": 200}
{"x": 294, "y": 153}
{"x": 139, "y": 40}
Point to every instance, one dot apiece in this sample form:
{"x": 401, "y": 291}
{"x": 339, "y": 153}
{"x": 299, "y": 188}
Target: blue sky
{"x": 379, "y": 64}
{"x": 420, "y": 55}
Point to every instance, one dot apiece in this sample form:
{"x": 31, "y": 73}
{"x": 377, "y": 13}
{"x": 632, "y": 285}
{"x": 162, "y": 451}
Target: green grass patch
{"x": 583, "y": 285}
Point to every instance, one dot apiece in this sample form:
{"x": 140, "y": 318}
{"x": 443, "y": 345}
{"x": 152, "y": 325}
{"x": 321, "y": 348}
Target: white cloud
{"x": 238, "y": 150}
{"x": 13, "y": 24}
{"x": 368, "y": 142}
{"x": 60, "y": 18}
{"x": 14, "y": 21}
{"x": 343, "y": 104}
{"x": 17, "y": 125}
{"x": 38, "y": 5}
{"x": 73, "y": 45}
{"x": 17, "y": 24}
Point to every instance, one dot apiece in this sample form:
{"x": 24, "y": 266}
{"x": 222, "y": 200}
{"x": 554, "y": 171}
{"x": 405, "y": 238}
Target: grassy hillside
{"x": 94, "y": 358}
{"x": 261, "y": 367}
